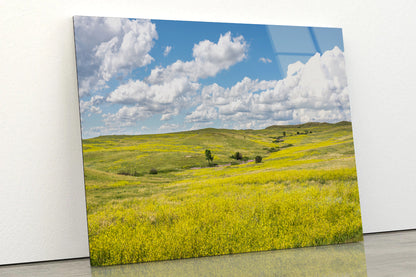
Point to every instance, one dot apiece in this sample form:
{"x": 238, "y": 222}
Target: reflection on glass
{"x": 335, "y": 260}
{"x": 301, "y": 43}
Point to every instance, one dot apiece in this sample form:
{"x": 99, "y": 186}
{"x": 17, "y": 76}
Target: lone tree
{"x": 209, "y": 156}
{"x": 284, "y": 134}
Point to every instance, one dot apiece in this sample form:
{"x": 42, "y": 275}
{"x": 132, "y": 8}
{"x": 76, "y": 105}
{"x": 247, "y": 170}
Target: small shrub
{"x": 128, "y": 172}
{"x": 286, "y": 145}
{"x": 237, "y": 156}
{"x": 123, "y": 172}
{"x": 272, "y": 149}
{"x": 153, "y": 171}
{"x": 258, "y": 159}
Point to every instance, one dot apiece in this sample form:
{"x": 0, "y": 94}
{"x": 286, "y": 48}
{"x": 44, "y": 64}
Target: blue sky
{"x": 139, "y": 76}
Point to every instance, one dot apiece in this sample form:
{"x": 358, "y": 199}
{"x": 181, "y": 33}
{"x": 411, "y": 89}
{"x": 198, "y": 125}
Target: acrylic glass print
{"x": 205, "y": 139}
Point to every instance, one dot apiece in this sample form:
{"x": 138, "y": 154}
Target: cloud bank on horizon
{"x": 136, "y": 77}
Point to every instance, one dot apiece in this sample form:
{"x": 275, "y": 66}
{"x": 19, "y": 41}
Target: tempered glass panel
{"x": 195, "y": 143}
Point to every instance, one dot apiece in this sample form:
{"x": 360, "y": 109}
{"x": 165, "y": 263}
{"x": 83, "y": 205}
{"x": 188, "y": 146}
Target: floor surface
{"x": 384, "y": 254}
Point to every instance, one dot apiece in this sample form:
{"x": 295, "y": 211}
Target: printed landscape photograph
{"x": 204, "y": 139}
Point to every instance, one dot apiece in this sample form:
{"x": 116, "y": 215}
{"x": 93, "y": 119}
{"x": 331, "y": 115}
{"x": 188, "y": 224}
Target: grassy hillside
{"x": 303, "y": 193}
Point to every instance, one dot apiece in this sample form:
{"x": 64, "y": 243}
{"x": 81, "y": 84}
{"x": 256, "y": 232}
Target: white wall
{"x": 42, "y": 202}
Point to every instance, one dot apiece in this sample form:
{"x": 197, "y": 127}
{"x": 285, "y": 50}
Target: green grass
{"x": 305, "y": 194}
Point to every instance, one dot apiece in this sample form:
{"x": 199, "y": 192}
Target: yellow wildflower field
{"x": 156, "y": 197}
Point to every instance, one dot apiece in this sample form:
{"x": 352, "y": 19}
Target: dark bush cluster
{"x": 286, "y": 145}
{"x": 237, "y": 156}
{"x": 123, "y": 172}
{"x": 153, "y": 171}
{"x": 258, "y": 159}
{"x": 272, "y": 149}
{"x": 277, "y": 140}
{"x": 127, "y": 172}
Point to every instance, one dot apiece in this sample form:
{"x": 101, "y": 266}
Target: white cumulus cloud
{"x": 167, "y": 50}
{"x": 126, "y": 116}
{"x": 133, "y": 92}
{"x": 209, "y": 59}
{"x": 169, "y": 90}
{"x": 167, "y": 99}
{"x": 91, "y": 105}
{"x": 265, "y": 60}
{"x": 169, "y": 127}
{"x": 202, "y": 114}
{"x": 107, "y": 47}
{"x": 315, "y": 91}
